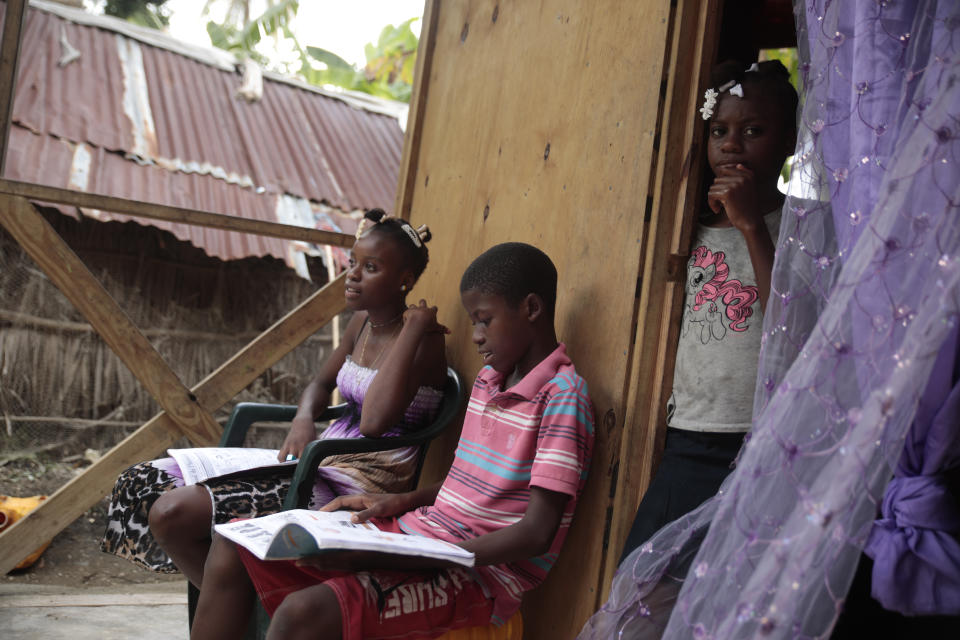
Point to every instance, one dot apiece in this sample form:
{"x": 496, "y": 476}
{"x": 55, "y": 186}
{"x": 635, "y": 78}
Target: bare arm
{"x": 416, "y": 358}
{"x": 316, "y": 395}
{"x": 529, "y": 537}
{"x": 761, "y": 249}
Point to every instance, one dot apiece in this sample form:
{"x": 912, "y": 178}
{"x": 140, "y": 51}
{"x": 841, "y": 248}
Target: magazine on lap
{"x": 202, "y": 463}
{"x": 343, "y": 544}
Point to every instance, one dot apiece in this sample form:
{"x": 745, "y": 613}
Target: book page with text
{"x": 202, "y": 463}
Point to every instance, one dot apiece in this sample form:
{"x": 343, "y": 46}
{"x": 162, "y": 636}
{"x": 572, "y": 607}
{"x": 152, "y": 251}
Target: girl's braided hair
{"x": 770, "y": 76}
{"x": 412, "y": 242}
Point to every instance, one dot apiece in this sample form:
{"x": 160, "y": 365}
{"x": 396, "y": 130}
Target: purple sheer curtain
{"x": 858, "y": 368}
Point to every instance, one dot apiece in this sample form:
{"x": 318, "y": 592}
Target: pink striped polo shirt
{"x": 538, "y": 433}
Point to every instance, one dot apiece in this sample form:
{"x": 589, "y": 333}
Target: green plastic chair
{"x": 246, "y": 414}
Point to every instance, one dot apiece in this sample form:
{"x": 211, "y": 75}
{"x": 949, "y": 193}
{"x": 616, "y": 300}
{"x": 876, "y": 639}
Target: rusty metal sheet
{"x": 45, "y": 159}
{"x": 116, "y": 110}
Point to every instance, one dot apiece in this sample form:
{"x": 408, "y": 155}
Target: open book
{"x": 301, "y": 532}
{"x": 211, "y": 462}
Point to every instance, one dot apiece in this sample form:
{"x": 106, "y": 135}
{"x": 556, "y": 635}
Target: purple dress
{"x": 128, "y": 535}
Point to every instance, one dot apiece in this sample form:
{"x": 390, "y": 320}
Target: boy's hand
{"x": 423, "y": 318}
{"x": 734, "y": 191}
{"x": 303, "y": 431}
{"x": 371, "y": 505}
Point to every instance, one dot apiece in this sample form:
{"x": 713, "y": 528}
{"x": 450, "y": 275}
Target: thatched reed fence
{"x": 63, "y": 389}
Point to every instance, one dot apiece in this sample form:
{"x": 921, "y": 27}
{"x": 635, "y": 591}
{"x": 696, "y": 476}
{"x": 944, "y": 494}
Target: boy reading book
{"x": 509, "y": 497}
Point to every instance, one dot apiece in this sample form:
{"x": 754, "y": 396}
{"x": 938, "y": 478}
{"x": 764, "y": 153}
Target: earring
{"x": 403, "y": 287}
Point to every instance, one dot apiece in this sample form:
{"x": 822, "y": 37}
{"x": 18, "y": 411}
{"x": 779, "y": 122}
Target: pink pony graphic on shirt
{"x": 707, "y": 287}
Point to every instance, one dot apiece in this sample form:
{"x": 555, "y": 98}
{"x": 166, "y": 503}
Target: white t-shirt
{"x": 716, "y": 367}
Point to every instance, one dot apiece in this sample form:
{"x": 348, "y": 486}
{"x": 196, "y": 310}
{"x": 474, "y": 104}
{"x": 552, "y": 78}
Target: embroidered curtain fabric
{"x": 858, "y": 378}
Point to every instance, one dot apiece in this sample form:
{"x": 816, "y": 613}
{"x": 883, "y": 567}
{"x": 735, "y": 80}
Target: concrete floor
{"x": 144, "y": 612}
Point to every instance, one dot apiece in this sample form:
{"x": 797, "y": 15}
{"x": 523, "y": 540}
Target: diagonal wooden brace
{"x": 75, "y": 497}
{"x": 35, "y": 235}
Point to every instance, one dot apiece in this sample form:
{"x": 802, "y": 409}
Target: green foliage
{"x": 390, "y": 62}
{"x": 146, "y": 13}
{"x": 337, "y": 71}
{"x": 387, "y": 74}
{"x": 790, "y": 59}
{"x": 242, "y": 39}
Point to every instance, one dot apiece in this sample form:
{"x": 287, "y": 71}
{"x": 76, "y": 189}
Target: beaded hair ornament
{"x": 377, "y": 216}
{"x": 710, "y": 95}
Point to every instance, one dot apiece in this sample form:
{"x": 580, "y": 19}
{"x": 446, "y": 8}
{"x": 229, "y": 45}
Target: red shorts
{"x": 381, "y": 604}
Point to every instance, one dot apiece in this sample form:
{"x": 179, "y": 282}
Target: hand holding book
{"x": 372, "y": 505}
{"x": 303, "y": 431}
{"x": 384, "y": 505}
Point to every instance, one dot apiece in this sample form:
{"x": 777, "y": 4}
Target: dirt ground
{"x": 74, "y": 558}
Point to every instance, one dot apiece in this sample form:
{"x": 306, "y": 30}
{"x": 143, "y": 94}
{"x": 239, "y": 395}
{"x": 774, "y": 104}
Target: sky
{"x": 341, "y": 26}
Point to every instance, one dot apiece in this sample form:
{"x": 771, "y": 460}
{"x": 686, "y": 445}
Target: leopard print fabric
{"x": 128, "y": 534}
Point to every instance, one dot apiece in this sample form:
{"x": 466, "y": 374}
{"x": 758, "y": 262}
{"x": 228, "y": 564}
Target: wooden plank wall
{"x": 676, "y": 181}
{"x": 536, "y": 121}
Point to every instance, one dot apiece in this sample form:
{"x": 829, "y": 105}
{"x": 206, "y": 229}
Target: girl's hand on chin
{"x": 734, "y": 191}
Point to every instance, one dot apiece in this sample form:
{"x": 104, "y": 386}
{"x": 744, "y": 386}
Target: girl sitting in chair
{"x": 390, "y": 368}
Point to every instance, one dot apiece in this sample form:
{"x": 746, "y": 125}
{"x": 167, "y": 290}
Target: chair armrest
{"x": 248, "y": 413}
{"x": 301, "y": 486}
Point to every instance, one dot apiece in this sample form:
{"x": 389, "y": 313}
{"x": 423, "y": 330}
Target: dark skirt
{"x": 693, "y": 466}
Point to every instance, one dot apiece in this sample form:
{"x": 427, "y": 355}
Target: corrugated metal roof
{"x": 155, "y": 123}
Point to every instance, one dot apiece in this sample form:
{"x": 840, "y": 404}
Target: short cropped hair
{"x": 513, "y": 270}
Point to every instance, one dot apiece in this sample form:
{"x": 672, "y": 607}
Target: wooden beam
{"x": 35, "y": 235}
{"x": 266, "y": 350}
{"x": 26, "y": 320}
{"x": 675, "y": 188}
{"x": 13, "y": 21}
{"x": 418, "y": 106}
{"x": 77, "y": 423}
{"x": 68, "y": 503}
{"x": 172, "y": 214}
{"x": 78, "y": 495}
{"x": 95, "y": 600}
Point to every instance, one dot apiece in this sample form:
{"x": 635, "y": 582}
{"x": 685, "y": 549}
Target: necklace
{"x": 380, "y": 325}
{"x": 383, "y": 347}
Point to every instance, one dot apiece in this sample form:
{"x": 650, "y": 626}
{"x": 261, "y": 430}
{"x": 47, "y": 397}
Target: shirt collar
{"x": 535, "y": 380}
